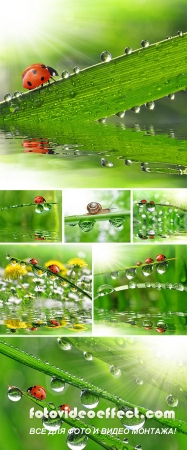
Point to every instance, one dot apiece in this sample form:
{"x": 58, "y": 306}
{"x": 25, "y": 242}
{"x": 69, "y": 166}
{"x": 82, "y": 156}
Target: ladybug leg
{"x": 53, "y": 79}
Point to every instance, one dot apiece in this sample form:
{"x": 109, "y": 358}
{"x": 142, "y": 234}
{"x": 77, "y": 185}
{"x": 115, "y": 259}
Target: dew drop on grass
{"x": 7, "y": 256}
{"x": 150, "y": 207}
{"x": 150, "y": 105}
{"x": 171, "y": 96}
{"x": 88, "y": 399}
{"x": 126, "y": 441}
{"x": 114, "y": 275}
{"x": 105, "y": 56}
{"x": 147, "y": 323}
{"x": 162, "y": 267}
{"x": 47, "y": 206}
{"x": 76, "y": 440}
{"x": 121, "y": 114}
{"x": 88, "y": 356}
{"x": 39, "y": 209}
{"x": 86, "y": 226}
{"x": 132, "y": 423}
{"x": 23, "y": 264}
{"x": 76, "y": 69}
{"x": 8, "y": 97}
{"x": 117, "y": 222}
{"x": 52, "y": 424}
{"x": 162, "y": 325}
{"x": 132, "y": 285}
{"x": 64, "y": 345}
{"x": 127, "y": 162}
{"x": 14, "y": 394}
{"x": 106, "y": 163}
{"x": 138, "y": 447}
{"x": 145, "y": 43}
{"x": 104, "y": 289}
{"x": 128, "y": 50}
{"x": 180, "y": 33}
{"x": 130, "y": 273}
{"x": 139, "y": 381}
{"x": 172, "y": 401}
{"x": 13, "y": 261}
{"x": 147, "y": 270}
{"x": 136, "y": 109}
{"x": 57, "y": 385}
{"x": 16, "y": 94}
{"x": 168, "y": 285}
{"x": 65, "y": 74}
{"x": 115, "y": 371}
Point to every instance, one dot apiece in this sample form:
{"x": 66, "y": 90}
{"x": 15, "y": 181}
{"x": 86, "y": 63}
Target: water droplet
{"x": 121, "y": 114}
{"x": 127, "y": 162}
{"x": 52, "y": 424}
{"x": 132, "y": 423}
{"x": 117, "y": 222}
{"x": 106, "y": 163}
{"x": 161, "y": 325}
{"x": 7, "y": 256}
{"x": 138, "y": 447}
{"x": 76, "y": 69}
{"x": 172, "y": 401}
{"x": 150, "y": 207}
{"x": 88, "y": 356}
{"x": 102, "y": 120}
{"x": 76, "y": 440}
{"x": 64, "y": 345}
{"x": 106, "y": 56}
{"x": 130, "y": 273}
{"x": 87, "y": 225}
{"x": 145, "y": 43}
{"x": 57, "y": 385}
{"x": 132, "y": 285}
{"x": 39, "y": 209}
{"x": 147, "y": 323}
{"x": 150, "y": 105}
{"x": 162, "y": 267}
{"x": 136, "y": 109}
{"x": 178, "y": 287}
{"x": 65, "y": 74}
{"x": 23, "y": 264}
{"x": 179, "y": 33}
{"x": 171, "y": 96}
{"x": 88, "y": 399}
{"x": 105, "y": 289}
{"x": 47, "y": 206}
{"x": 128, "y": 50}
{"x": 147, "y": 270}
{"x": 14, "y": 394}
{"x": 115, "y": 371}
{"x": 8, "y": 97}
{"x": 16, "y": 94}
{"x": 13, "y": 107}
{"x": 114, "y": 275}
{"x": 126, "y": 441}
{"x": 13, "y": 261}
{"x": 139, "y": 381}
{"x": 168, "y": 285}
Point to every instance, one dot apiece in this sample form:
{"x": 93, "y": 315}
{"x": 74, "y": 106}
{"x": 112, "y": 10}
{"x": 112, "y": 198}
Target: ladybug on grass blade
{"x": 54, "y": 268}
{"x": 37, "y": 392}
{"x": 36, "y": 75}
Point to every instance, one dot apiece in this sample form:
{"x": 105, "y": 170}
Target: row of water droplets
{"x": 88, "y": 225}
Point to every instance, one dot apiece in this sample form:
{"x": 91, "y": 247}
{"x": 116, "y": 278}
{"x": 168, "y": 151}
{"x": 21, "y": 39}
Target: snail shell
{"x": 96, "y": 208}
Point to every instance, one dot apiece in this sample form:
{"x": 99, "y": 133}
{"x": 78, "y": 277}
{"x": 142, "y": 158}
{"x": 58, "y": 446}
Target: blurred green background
{"x": 26, "y": 225}
{"x": 161, "y": 363}
{"x": 75, "y": 203}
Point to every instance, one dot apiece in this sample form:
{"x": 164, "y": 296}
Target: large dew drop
{"x": 39, "y": 209}
{"x": 47, "y": 206}
{"x": 57, "y": 385}
{"x": 52, "y": 424}
{"x": 172, "y": 401}
{"x": 115, "y": 371}
{"x": 88, "y": 399}
{"x": 114, "y": 275}
{"x": 88, "y": 356}
{"x": 14, "y": 394}
{"x": 105, "y": 289}
{"x": 87, "y": 225}
{"x": 145, "y": 43}
{"x": 132, "y": 423}
{"x": 130, "y": 273}
{"x": 117, "y": 222}
{"x": 150, "y": 207}
{"x": 64, "y": 345}
{"x": 76, "y": 440}
{"x": 162, "y": 267}
{"x": 147, "y": 270}
{"x": 105, "y": 56}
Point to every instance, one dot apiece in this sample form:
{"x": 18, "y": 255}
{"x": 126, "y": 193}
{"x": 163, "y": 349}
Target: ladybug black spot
{"x": 42, "y": 78}
{"x": 29, "y": 83}
{"x": 34, "y": 71}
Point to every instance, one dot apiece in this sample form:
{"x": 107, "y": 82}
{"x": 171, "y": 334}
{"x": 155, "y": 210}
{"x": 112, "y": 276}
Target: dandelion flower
{"x": 14, "y": 272}
{"x": 77, "y": 263}
{"x": 14, "y": 324}
{"x": 63, "y": 270}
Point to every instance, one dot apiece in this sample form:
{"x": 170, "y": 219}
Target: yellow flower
{"x": 63, "y": 270}
{"x": 77, "y": 262}
{"x": 15, "y": 323}
{"x": 14, "y": 272}
{"x": 78, "y": 327}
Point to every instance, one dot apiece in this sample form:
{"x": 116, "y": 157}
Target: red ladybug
{"x": 36, "y": 146}
{"x": 139, "y": 263}
{"x": 160, "y": 257}
{"x": 143, "y": 201}
{"x": 149, "y": 260}
{"x": 54, "y": 323}
{"x": 33, "y": 261}
{"x": 39, "y": 199}
{"x": 36, "y": 75}
{"x": 33, "y": 329}
{"x": 151, "y": 202}
{"x": 53, "y": 268}
{"x": 160, "y": 330}
{"x": 65, "y": 408}
{"x": 37, "y": 392}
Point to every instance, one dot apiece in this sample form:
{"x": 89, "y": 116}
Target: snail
{"x": 96, "y": 208}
